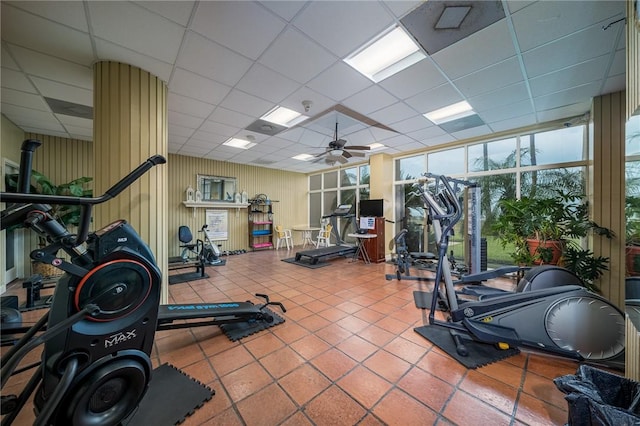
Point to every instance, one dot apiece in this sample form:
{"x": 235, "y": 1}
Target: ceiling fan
{"x": 337, "y": 152}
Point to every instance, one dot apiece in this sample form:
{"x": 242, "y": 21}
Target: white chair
{"x": 284, "y": 235}
{"x": 324, "y": 236}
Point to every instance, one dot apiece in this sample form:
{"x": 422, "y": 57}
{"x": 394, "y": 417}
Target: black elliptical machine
{"x": 98, "y": 334}
{"x": 555, "y": 316}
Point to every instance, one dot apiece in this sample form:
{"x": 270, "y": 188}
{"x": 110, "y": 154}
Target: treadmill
{"x": 341, "y": 248}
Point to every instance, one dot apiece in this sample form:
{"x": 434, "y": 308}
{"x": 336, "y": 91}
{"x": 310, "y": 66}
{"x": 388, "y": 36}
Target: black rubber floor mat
{"x": 306, "y": 262}
{"x": 480, "y": 354}
{"x": 187, "y": 276}
{"x": 171, "y": 397}
{"x": 422, "y": 299}
{"x": 238, "y": 330}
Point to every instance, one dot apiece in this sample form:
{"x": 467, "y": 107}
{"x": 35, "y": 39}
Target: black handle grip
{"x": 134, "y": 175}
{"x": 26, "y": 159}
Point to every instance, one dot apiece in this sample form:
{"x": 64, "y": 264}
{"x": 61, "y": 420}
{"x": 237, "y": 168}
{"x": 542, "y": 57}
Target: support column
{"x": 129, "y": 126}
{"x": 381, "y": 186}
{"x": 608, "y": 190}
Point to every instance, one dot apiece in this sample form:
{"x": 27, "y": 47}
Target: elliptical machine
{"x": 565, "y": 320}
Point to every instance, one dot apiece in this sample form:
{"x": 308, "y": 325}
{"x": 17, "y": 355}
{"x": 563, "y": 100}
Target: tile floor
{"x": 346, "y": 355}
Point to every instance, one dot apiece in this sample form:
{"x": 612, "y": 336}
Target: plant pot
{"x": 554, "y": 245}
{"x": 632, "y": 261}
{"x": 45, "y": 269}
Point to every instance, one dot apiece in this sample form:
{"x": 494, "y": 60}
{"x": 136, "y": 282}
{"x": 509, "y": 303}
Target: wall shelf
{"x": 214, "y": 205}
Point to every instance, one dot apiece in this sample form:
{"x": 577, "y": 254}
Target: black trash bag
{"x": 597, "y": 397}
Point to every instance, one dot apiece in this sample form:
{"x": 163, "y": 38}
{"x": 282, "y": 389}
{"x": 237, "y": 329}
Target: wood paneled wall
{"x": 288, "y": 188}
{"x": 607, "y": 187}
{"x": 633, "y": 60}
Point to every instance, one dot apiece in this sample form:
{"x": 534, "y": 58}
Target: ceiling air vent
{"x": 69, "y": 108}
{"x": 265, "y": 128}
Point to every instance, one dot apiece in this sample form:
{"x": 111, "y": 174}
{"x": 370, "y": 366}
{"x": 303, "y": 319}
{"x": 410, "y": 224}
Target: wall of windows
{"x": 337, "y": 187}
{"x": 521, "y": 165}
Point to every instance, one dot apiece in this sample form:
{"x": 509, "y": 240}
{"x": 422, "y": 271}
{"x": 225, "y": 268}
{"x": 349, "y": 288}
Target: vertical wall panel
{"x": 608, "y": 189}
{"x": 633, "y": 60}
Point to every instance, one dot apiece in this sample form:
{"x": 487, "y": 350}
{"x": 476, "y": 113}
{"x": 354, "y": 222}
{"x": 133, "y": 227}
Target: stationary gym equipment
{"x": 200, "y": 254}
{"x": 99, "y": 331}
{"x": 341, "y": 248}
{"x": 565, "y": 320}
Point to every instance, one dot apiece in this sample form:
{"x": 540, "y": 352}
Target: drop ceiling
{"x": 227, "y": 63}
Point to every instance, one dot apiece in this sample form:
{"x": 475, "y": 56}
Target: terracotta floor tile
{"x": 333, "y": 314}
{"x": 505, "y": 372}
{"x": 231, "y": 359}
{"x": 399, "y": 409}
{"x": 304, "y": 383}
{"x": 426, "y": 388}
{"x": 387, "y": 365}
{"x": 202, "y": 370}
{"x": 550, "y": 366}
{"x": 298, "y": 419}
{"x": 269, "y": 406}
{"x": 492, "y": 391}
{"x": 535, "y": 411}
{"x": 281, "y": 362}
{"x": 405, "y": 349}
{"x": 544, "y": 389}
{"x": 245, "y": 381}
{"x": 464, "y": 409}
{"x": 229, "y": 417}
{"x": 333, "y": 363}
{"x": 264, "y": 344}
{"x": 333, "y": 334}
{"x": 443, "y": 367}
{"x": 392, "y": 325}
{"x": 219, "y": 403}
{"x": 376, "y": 335}
{"x": 314, "y": 322}
{"x": 290, "y": 332}
{"x": 364, "y": 386}
{"x": 352, "y": 324}
{"x": 310, "y": 346}
{"x": 357, "y": 348}
{"x": 334, "y": 407}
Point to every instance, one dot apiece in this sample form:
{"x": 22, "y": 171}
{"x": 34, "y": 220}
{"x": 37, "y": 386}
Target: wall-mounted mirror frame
{"x": 217, "y": 188}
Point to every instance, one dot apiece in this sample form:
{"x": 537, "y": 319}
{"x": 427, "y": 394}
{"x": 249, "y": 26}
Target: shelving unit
{"x": 375, "y": 247}
{"x": 260, "y": 225}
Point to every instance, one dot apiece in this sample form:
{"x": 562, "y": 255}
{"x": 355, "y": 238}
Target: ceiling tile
{"x": 188, "y": 106}
{"x": 513, "y": 123}
{"x": 6, "y": 60}
{"x": 567, "y": 97}
{"x": 619, "y": 65}
{"x": 76, "y": 122}
{"x": 486, "y": 47}
{"x": 421, "y": 76}
{"x": 400, "y": 7}
{"x": 573, "y": 49}
{"x": 285, "y": 9}
{"x": 232, "y": 118}
{"x": 19, "y": 114}
{"x": 64, "y": 92}
{"x": 586, "y": 72}
{"x": 50, "y": 38}
{"x": 17, "y": 80}
{"x": 304, "y": 93}
{"x": 491, "y": 78}
{"x": 235, "y": 25}
{"x": 41, "y": 65}
{"x": 370, "y": 99}
{"x": 267, "y": 84}
{"x": 415, "y": 123}
{"x": 179, "y": 130}
{"x": 22, "y": 99}
{"x": 473, "y": 132}
{"x": 432, "y": 99}
{"x": 426, "y": 134}
{"x": 79, "y": 132}
{"x": 564, "y": 112}
{"x": 219, "y": 64}
{"x": 295, "y": 56}
{"x": 339, "y": 82}
{"x": 184, "y": 119}
{"x": 509, "y": 111}
{"x": 242, "y": 102}
{"x": 193, "y": 86}
{"x": 69, "y": 13}
{"x": 217, "y": 128}
{"x": 546, "y": 21}
{"x": 515, "y": 5}
{"x": 393, "y": 113}
{"x": 343, "y": 26}
{"x": 614, "y": 84}
{"x": 113, "y": 52}
{"x": 503, "y": 96}
{"x": 133, "y": 29}
{"x": 177, "y": 11}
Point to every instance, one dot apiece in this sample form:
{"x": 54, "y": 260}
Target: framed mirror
{"x": 217, "y": 188}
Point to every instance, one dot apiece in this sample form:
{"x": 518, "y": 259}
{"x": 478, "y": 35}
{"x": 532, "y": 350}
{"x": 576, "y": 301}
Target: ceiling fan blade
{"x": 356, "y": 154}
{"x": 341, "y": 159}
{"x": 346, "y": 154}
{"x": 321, "y": 154}
{"x": 359, "y": 147}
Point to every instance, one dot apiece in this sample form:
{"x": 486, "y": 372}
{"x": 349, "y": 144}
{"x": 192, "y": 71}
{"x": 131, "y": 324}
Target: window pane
{"x": 331, "y": 180}
{"x": 449, "y": 162}
{"x": 348, "y": 177}
{"x": 556, "y": 146}
{"x": 492, "y": 155}
{"x": 348, "y": 196}
{"x": 411, "y": 215}
{"x": 315, "y": 182}
{"x": 330, "y": 202}
{"x": 632, "y": 132}
{"x": 410, "y": 168}
{"x": 543, "y": 183}
{"x": 315, "y": 208}
{"x": 364, "y": 174}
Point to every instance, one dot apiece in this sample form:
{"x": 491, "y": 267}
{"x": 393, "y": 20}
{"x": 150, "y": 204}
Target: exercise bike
{"x": 565, "y": 320}
{"x": 98, "y": 334}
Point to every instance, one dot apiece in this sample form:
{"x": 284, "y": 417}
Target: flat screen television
{"x": 371, "y": 208}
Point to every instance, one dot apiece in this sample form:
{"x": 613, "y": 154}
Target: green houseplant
{"x": 549, "y": 231}
{"x": 632, "y": 235}
{"x": 67, "y": 215}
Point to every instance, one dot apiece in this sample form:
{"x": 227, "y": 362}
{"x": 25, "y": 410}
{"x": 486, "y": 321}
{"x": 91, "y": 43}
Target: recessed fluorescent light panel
{"x": 303, "y": 157}
{"x": 386, "y": 55}
{"x": 449, "y": 113}
{"x": 283, "y": 116}
{"x": 239, "y": 143}
{"x": 377, "y": 146}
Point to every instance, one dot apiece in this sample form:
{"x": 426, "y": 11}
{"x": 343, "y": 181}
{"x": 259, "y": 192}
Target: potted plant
{"x": 67, "y": 215}
{"x": 549, "y": 231}
{"x": 632, "y": 241}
